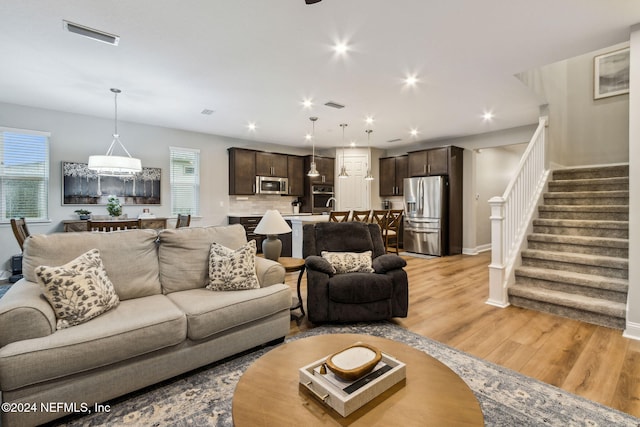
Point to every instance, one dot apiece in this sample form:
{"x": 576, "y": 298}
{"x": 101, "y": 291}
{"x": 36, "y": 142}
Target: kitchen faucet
{"x": 329, "y": 201}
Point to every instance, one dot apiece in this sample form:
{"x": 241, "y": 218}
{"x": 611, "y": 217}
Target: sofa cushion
{"x": 79, "y": 290}
{"x": 184, "y": 254}
{"x": 231, "y": 270}
{"x": 209, "y": 312}
{"x": 331, "y": 237}
{"x": 129, "y": 257}
{"x": 349, "y": 262}
{"x": 359, "y": 288}
{"x": 133, "y": 328}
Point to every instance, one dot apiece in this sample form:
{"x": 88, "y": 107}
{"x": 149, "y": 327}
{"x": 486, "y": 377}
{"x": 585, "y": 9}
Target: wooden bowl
{"x": 354, "y": 361}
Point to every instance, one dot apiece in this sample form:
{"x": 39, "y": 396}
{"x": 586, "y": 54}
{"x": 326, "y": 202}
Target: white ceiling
{"x": 256, "y": 60}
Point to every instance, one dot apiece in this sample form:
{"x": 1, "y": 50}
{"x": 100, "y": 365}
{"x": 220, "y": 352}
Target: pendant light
{"x": 343, "y": 169}
{"x": 109, "y": 164}
{"x": 313, "y": 172}
{"x": 369, "y": 177}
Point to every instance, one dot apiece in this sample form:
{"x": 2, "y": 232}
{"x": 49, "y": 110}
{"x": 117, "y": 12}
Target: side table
{"x": 290, "y": 265}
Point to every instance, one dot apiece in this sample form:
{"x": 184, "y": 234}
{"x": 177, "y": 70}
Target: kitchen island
{"x": 297, "y": 222}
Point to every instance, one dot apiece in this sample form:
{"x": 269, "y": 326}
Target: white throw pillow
{"x": 79, "y": 290}
{"x": 231, "y": 270}
{"x": 349, "y": 262}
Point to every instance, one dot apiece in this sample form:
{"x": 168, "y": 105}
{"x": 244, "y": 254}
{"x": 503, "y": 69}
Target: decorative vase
{"x": 113, "y": 206}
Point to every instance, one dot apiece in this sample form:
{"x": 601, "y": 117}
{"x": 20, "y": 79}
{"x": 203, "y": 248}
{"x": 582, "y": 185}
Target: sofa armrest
{"x": 269, "y": 272}
{"x": 388, "y": 262}
{"x": 315, "y": 262}
{"x": 25, "y": 313}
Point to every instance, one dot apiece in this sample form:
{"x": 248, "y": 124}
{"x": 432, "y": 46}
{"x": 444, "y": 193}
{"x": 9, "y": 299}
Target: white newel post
{"x": 497, "y": 283}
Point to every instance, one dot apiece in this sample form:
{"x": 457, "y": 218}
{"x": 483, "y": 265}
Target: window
{"x": 24, "y": 174}
{"x": 185, "y": 180}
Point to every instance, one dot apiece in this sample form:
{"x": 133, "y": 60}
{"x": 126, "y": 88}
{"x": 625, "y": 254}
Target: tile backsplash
{"x": 259, "y": 204}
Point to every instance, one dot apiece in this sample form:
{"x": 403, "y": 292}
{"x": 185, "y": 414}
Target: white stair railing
{"x": 512, "y": 213}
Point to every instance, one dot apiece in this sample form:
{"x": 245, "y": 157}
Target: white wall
{"x": 74, "y": 137}
{"x": 494, "y": 169}
{"x": 633, "y": 300}
{"x": 582, "y": 131}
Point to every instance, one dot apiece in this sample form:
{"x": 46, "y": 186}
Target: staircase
{"x": 576, "y": 263}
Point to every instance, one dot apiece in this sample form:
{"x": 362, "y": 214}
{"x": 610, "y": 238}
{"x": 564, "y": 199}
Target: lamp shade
{"x": 114, "y": 165}
{"x": 272, "y": 223}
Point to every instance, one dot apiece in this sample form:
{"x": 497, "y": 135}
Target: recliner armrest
{"x": 388, "y": 262}
{"x": 315, "y": 262}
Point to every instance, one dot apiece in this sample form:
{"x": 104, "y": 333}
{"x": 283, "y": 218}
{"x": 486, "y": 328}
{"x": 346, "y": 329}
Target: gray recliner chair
{"x": 352, "y": 296}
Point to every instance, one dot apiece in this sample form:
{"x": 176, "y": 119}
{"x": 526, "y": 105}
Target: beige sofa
{"x": 166, "y": 323}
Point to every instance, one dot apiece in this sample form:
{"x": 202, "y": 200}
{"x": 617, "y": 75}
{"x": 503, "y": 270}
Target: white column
{"x": 497, "y": 283}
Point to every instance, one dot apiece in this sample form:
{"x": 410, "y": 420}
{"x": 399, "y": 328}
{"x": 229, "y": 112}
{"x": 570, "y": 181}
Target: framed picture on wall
{"x": 82, "y": 186}
{"x": 611, "y": 74}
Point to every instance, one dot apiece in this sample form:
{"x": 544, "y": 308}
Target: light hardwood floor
{"x": 447, "y": 303}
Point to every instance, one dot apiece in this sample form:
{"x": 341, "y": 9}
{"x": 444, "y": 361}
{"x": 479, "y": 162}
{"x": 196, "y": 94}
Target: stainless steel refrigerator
{"x": 425, "y": 210}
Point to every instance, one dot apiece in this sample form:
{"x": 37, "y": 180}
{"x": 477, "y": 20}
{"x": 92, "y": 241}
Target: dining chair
{"x": 362, "y": 216}
{"x": 392, "y": 236}
{"x": 183, "y": 221}
{"x": 20, "y": 230}
{"x": 113, "y": 225}
{"x": 339, "y": 216}
{"x": 380, "y": 217}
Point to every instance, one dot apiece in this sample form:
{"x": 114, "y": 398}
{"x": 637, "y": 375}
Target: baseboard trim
{"x": 498, "y": 304}
{"x": 477, "y": 249}
{"x": 632, "y": 331}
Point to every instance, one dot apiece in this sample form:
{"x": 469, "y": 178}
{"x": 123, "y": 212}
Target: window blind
{"x": 24, "y": 174}
{"x": 185, "y": 180}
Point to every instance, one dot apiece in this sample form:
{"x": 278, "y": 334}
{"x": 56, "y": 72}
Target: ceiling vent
{"x": 207, "y": 112}
{"x": 97, "y": 35}
{"x": 395, "y": 140}
{"x": 334, "y": 105}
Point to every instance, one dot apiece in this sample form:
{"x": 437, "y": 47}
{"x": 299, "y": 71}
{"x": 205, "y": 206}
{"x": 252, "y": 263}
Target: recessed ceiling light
{"x": 414, "y": 132}
{"x": 369, "y": 120}
{"x": 487, "y": 116}
{"x": 308, "y": 137}
{"x": 91, "y": 33}
{"x": 307, "y": 103}
{"x": 411, "y": 80}
{"x": 251, "y": 126}
{"x": 340, "y": 48}
{"x": 352, "y": 144}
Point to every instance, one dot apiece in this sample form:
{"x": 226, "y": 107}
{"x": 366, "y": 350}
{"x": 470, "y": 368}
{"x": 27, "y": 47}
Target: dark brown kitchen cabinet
{"x": 295, "y": 173}
{"x": 242, "y": 171}
{"x": 271, "y": 164}
{"x": 429, "y": 162}
{"x": 325, "y": 166}
{"x": 393, "y": 171}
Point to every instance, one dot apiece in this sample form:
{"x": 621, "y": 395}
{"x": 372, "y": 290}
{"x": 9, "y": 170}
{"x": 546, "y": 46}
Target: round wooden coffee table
{"x": 269, "y": 393}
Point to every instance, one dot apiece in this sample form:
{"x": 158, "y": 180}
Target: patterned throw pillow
{"x": 349, "y": 262}
{"x": 79, "y": 290}
{"x": 231, "y": 270}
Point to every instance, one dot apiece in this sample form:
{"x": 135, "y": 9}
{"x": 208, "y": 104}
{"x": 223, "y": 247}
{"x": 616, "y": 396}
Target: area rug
{"x": 507, "y": 398}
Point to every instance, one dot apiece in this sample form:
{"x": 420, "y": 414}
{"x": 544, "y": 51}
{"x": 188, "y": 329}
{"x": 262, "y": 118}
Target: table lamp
{"x": 272, "y": 224}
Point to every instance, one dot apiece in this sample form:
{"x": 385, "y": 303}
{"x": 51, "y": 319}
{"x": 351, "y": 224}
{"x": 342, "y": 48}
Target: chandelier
{"x": 109, "y": 164}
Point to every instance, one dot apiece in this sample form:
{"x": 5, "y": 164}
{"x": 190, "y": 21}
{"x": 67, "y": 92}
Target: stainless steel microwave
{"x": 272, "y": 185}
